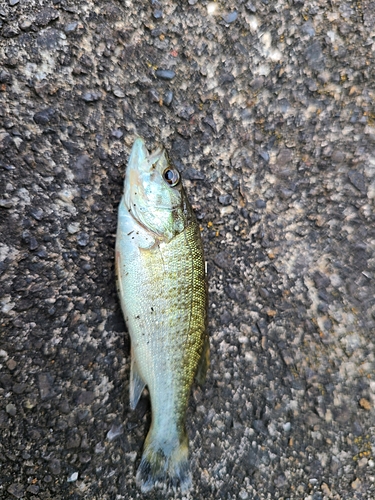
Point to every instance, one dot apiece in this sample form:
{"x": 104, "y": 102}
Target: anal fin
{"x": 204, "y": 361}
{"x": 136, "y": 383}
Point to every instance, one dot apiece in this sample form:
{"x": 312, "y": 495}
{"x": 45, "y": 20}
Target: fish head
{"x": 153, "y": 192}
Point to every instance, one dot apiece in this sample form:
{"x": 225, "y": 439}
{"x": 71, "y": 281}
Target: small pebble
{"x": 225, "y": 199}
{"x": 42, "y": 253}
{"x": 37, "y": 213}
{"x": 8, "y": 124}
{"x": 325, "y": 489}
{"x": 70, "y": 27}
{"x": 356, "y": 484}
{"x": 157, "y": 14}
{"x": 17, "y": 490}
{"x": 337, "y": 157}
{"x": 73, "y": 227}
{"x": 3, "y": 135}
{"x": 91, "y": 96}
{"x": 185, "y": 111}
{"x": 73, "y": 477}
{"x": 323, "y": 307}
{"x": 165, "y": 74}
{"x": 43, "y": 117}
{"x": 286, "y": 193}
{"x": 119, "y": 93}
{"x": 46, "y": 16}
{"x": 84, "y": 458}
{"x": 45, "y": 385}
{"x": 307, "y": 29}
{"x": 358, "y": 180}
{"x": 13, "y": 2}
{"x": 83, "y": 239}
{"x": 83, "y": 169}
{"x": 118, "y": 133}
{"x": 327, "y": 324}
{"x": 114, "y": 432}
{"x": 33, "y": 488}
{"x": 284, "y": 157}
{"x": 211, "y": 7}
{"x": 66, "y": 195}
{"x": 11, "y": 409}
{"x": 6, "y": 203}
{"x": 260, "y": 204}
{"x": 33, "y": 244}
{"x": 26, "y": 25}
{"x": 311, "y": 84}
{"x": 249, "y": 6}
{"x": 314, "y": 54}
{"x": 10, "y": 31}
{"x": 154, "y": 95}
{"x": 55, "y": 466}
{"x": 7, "y": 307}
{"x": 365, "y": 403}
{"x": 11, "y": 364}
{"x": 5, "y": 77}
{"x": 168, "y": 98}
{"x": 193, "y": 174}
{"x": 254, "y": 218}
{"x": 99, "y": 448}
{"x": 230, "y": 17}
{"x": 264, "y": 155}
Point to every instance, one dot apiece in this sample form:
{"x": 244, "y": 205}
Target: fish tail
{"x": 162, "y": 459}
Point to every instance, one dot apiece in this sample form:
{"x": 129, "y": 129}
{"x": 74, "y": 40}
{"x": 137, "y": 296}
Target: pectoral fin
{"x": 204, "y": 362}
{"x": 136, "y": 384}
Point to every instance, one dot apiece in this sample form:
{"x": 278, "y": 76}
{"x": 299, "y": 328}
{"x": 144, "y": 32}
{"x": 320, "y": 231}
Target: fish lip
{"x": 138, "y": 155}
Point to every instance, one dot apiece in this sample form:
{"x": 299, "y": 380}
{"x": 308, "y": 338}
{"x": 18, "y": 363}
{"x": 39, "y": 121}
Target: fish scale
{"x": 173, "y": 284}
{"x": 163, "y": 293}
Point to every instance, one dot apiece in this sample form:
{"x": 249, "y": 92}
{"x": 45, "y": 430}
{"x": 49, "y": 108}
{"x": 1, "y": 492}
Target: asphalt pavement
{"x": 267, "y": 108}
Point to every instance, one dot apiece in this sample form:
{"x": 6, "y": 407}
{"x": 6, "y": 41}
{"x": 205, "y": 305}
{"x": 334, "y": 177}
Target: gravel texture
{"x": 268, "y": 108}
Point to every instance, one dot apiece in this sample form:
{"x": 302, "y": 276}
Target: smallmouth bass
{"x": 162, "y": 287}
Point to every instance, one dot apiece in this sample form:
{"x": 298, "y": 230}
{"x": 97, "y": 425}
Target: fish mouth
{"x": 142, "y": 165}
{"x": 141, "y": 160}
{"x": 138, "y": 164}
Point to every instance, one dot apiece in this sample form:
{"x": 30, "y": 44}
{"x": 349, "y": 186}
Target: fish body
{"x": 163, "y": 293}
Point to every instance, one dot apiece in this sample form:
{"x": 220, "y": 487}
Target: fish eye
{"x": 171, "y": 176}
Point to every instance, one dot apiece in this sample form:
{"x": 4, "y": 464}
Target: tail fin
{"x": 163, "y": 459}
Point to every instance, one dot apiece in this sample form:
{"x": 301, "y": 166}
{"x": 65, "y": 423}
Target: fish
{"x": 162, "y": 286}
